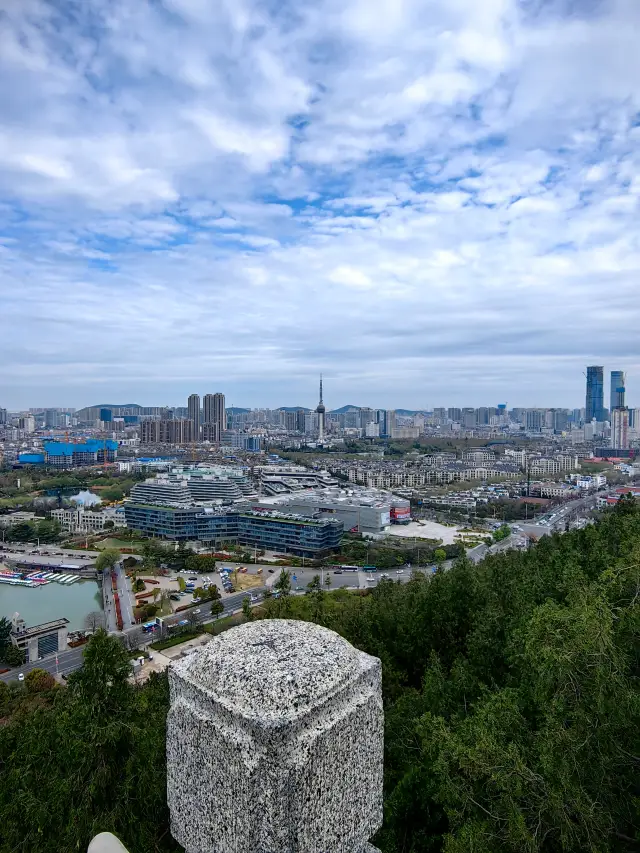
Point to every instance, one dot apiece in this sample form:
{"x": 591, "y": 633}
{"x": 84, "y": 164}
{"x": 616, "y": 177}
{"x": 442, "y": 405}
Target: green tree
{"x": 283, "y": 584}
{"x": 217, "y": 607}
{"x": 107, "y": 559}
{"x": 39, "y": 681}
{"x": 247, "y": 610}
{"x": 13, "y": 656}
{"x": 439, "y": 555}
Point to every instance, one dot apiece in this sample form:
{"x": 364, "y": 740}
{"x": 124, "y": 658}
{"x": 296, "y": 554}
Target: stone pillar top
{"x": 274, "y": 671}
{"x": 275, "y": 742}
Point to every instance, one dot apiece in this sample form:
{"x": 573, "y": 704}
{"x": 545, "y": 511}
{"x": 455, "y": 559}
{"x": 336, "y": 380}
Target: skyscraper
{"x": 594, "y": 404}
{"x": 207, "y": 409}
{"x": 214, "y": 417}
{"x": 193, "y": 407}
{"x": 620, "y": 428}
{"x": 320, "y": 411}
{"x": 617, "y": 390}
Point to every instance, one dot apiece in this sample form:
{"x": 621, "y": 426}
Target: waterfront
{"x": 52, "y": 601}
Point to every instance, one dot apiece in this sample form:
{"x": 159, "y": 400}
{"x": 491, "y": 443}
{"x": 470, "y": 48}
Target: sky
{"x": 432, "y": 202}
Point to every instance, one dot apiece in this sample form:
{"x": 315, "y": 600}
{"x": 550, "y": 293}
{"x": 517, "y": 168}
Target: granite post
{"x": 275, "y": 743}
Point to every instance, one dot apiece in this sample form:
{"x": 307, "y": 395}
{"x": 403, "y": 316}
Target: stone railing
{"x": 274, "y": 744}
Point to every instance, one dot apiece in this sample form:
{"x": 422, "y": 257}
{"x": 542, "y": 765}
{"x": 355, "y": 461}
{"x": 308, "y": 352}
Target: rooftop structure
{"x": 363, "y": 510}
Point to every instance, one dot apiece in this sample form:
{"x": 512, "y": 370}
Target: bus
{"x": 369, "y": 568}
{"x": 349, "y": 568}
{"x": 148, "y": 627}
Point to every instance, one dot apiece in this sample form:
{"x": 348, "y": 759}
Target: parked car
{"x": 21, "y": 676}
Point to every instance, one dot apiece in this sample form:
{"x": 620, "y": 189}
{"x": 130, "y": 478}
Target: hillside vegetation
{"x": 511, "y": 702}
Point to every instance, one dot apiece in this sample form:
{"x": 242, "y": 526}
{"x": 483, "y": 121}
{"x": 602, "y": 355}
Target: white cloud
{"x": 433, "y": 202}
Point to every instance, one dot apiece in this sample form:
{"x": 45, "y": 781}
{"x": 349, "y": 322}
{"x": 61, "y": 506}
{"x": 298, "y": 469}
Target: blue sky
{"x": 433, "y": 202}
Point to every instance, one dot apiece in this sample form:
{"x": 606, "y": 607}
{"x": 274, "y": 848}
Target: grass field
{"x": 118, "y": 544}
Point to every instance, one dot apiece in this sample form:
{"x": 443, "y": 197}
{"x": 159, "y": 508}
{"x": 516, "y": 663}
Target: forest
{"x": 512, "y": 711}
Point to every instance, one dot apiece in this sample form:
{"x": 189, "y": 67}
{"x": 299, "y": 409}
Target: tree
{"x": 217, "y": 607}
{"x": 102, "y": 681}
{"x": 39, "y": 681}
{"x": 182, "y": 584}
{"x": 439, "y": 555}
{"x": 283, "y": 584}
{"x": 247, "y": 610}
{"x": 109, "y": 525}
{"x": 107, "y": 559}
{"x": 327, "y": 580}
{"x": 95, "y": 620}
{"x": 214, "y": 592}
{"x": 5, "y": 638}
{"x": 13, "y": 656}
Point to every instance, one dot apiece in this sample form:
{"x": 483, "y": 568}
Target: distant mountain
{"x": 343, "y": 409}
{"x": 115, "y": 406}
{"x": 409, "y": 412}
{"x": 292, "y": 409}
{"x": 237, "y": 410}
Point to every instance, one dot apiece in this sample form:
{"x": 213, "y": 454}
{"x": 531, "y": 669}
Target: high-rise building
{"x": 193, "y": 410}
{"x": 320, "y": 411}
{"x": 219, "y": 413}
{"x": 620, "y": 428}
{"x": 594, "y": 404}
{"x": 454, "y": 414}
{"x": 207, "y": 409}
{"x": 3, "y": 416}
{"x": 617, "y": 390}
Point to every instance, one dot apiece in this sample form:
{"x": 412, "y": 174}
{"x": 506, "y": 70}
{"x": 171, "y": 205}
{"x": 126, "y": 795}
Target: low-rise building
{"x": 40, "y": 640}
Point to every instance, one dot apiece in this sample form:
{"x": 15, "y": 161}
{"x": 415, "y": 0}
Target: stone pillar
{"x": 275, "y": 743}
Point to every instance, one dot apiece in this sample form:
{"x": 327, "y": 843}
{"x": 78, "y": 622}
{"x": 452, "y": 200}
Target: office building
{"x": 276, "y": 531}
{"x": 359, "y": 510}
{"x": 620, "y": 429}
{"x": 193, "y": 409}
{"x": 594, "y": 402}
{"x": 617, "y": 392}
{"x": 454, "y": 414}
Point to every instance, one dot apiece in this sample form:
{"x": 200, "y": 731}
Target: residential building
{"x": 594, "y": 402}
{"x": 620, "y": 428}
{"x": 214, "y": 417}
{"x": 92, "y": 451}
{"x": 454, "y": 414}
{"x": 405, "y": 432}
{"x": 175, "y": 431}
{"x": 193, "y": 408}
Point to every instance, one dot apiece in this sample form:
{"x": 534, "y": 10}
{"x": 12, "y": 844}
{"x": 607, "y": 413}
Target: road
{"x": 68, "y": 661}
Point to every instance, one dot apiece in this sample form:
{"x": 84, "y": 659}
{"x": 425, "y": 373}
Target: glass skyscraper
{"x": 594, "y": 404}
{"x": 617, "y": 389}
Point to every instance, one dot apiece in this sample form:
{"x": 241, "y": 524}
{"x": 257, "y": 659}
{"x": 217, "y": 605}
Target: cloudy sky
{"x": 433, "y": 202}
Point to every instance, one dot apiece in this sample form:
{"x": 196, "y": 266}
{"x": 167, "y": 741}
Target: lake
{"x": 53, "y": 601}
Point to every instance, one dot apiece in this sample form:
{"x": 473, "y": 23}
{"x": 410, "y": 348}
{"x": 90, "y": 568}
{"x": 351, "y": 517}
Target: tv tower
{"x": 320, "y": 411}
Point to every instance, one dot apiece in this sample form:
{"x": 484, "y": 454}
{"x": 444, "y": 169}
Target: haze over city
{"x": 433, "y": 203}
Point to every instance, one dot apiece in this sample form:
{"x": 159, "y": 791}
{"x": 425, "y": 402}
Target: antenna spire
{"x": 321, "y": 388}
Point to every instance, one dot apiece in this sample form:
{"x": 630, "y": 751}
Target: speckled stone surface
{"x": 275, "y": 743}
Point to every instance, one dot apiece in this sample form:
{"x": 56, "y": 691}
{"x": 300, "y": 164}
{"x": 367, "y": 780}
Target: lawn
{"x": 118, "y": 544}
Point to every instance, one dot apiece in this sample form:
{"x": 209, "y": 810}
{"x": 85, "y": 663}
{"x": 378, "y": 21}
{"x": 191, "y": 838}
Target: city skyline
{"x": 210, "y": 408}
{"x": 429, "y": 202}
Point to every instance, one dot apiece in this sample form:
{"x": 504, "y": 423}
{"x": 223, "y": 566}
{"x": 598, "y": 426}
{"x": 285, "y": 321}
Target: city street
{"x": 68, "y": 661}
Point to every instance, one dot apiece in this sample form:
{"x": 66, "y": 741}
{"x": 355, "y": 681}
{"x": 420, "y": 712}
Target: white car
{"x": 21, "y": 676}
{"x": 400, "y": 572}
